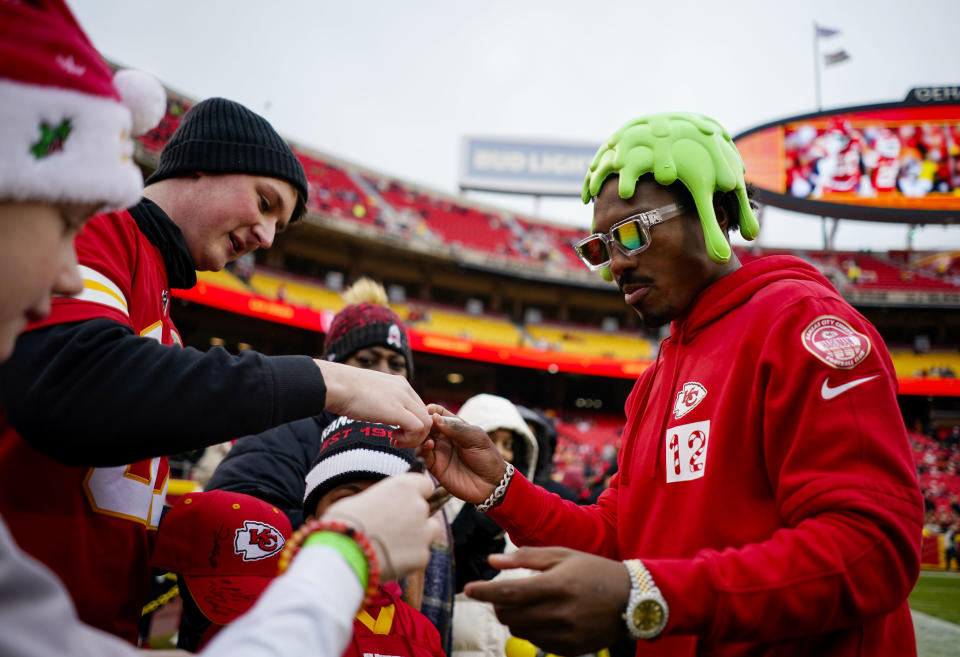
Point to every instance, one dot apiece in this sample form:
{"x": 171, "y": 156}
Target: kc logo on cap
{"x": 257, "y": 540}
{"x": 225, "y": 545}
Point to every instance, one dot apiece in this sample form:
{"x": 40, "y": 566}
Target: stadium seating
{"x": 223, "y": 278}
{"x": 333, "y": 192}
{"x": 417, "y": 213}
{"x": 591, "y": 342}
{"x": 488, "y": 329}
{"x": 938, "y": 470}
{"x": 154, "y": 140}
{"x": 937, "y": 363}
{"x": 294, "y": 290}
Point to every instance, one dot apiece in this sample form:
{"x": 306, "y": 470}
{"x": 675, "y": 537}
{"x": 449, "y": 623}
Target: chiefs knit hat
{"x": 353, "y": 451}
{"x": 66, "y": 122}
{"x": 221, "y": 136}
{"x": 365, "y": 325}
{"x": 225, "y": 545}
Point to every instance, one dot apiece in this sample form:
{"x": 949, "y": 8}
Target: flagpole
{"x": 816, "y": 65}
{"x": 816, "y": 87}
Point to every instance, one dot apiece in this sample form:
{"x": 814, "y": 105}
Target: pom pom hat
{"x": 364, "y": 322}
{"x": 65, "y": 127}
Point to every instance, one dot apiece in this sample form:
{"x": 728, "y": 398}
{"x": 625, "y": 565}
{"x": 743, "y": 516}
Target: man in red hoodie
{"x": 766, "y": 501}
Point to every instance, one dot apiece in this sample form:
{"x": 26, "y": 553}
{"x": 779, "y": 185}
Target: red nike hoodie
{"x": 765, "y": 478}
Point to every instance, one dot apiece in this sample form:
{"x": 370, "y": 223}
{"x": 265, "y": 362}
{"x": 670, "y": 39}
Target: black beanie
{"x": 220, "y": 136}
{"x": 352, "y": 451}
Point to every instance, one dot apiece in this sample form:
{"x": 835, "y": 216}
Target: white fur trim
{"x": 96, "y": 164}
{"x": 354, "y": 460}
{"x": 144, "y": 97}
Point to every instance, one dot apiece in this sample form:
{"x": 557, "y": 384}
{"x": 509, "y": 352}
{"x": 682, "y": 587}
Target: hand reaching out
{"x": 461, "y": 456}
{"x": 572, "y": 607}
{"x": 376, "y": 397}
{"x": 393, "y": 515}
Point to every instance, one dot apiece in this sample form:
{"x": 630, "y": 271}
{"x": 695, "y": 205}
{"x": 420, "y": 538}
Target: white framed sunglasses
{"x": 631, "y": 236}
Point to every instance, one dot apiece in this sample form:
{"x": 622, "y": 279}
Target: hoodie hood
{"x": 734, "y": 289}
{"x": 490, "y": 412}
{"x": 546, "y": 434}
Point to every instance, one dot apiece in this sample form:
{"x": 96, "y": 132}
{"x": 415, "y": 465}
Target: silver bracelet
{"x": 497, "y": 496}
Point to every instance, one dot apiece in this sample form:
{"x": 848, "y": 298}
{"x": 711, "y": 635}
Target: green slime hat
{"x": 691, "y": 148}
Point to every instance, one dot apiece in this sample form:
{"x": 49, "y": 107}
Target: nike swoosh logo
{"x": 829, "y": 393}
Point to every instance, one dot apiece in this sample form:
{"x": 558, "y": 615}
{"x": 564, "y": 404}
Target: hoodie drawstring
{"x": 625, "y": 470}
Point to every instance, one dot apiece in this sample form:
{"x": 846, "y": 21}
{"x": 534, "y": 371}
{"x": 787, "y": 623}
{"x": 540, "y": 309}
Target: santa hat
{"x": 66, "y": 122}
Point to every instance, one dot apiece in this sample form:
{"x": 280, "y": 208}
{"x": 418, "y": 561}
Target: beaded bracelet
{"x": 312, "y": 527}
{"x": 499, "y": 492}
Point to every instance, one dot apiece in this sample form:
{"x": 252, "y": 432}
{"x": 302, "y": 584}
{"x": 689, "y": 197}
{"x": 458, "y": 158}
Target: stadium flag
{"x": 826, "y": 31}
{"x": 831, "y": 58}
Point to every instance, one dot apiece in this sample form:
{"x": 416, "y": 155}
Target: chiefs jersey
{"x": 94, "y": 527}
{"x": 389, "y": 627}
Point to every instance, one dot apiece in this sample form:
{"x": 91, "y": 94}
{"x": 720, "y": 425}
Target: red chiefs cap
{"x": 226, "y": 546}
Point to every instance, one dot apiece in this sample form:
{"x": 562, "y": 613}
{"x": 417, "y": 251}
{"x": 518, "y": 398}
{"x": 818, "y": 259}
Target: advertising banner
{"x": 891, "y": 162}
{"x": 524, "y": 166}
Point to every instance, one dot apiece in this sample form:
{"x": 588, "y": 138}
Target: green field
{"x": 935, "y": 602}
{"x": 938, "y": 594}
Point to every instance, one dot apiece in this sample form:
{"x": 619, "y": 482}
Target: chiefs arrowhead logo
{"x": 257, "y": 540}
{"x": 688, "y": 398}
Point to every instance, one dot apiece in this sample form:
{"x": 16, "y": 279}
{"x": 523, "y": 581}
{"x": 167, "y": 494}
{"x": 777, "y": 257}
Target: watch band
{"x": 647, "y": 611}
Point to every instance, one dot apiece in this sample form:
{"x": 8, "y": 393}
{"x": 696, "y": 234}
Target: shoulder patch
{"x": 835, "y": 342}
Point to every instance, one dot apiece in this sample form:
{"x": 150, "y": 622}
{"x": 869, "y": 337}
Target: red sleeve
{"x": 537, "y": 517}
{"x": 843, "y": 477}
{"x": 107, "y": 255}
{"x": 534, "y": 516}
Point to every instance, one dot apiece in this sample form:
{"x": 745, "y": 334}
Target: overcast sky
{"x": 394, "y": 86}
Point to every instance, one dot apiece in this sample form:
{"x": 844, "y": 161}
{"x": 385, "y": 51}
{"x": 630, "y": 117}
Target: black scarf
{"x": 167, "y": 237}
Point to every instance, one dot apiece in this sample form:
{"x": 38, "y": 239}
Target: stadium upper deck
{"x": 369, "y": 208}
{"x": 356, "y": 199}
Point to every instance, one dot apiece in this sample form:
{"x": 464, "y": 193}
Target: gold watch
{"x": 647, "y": 611}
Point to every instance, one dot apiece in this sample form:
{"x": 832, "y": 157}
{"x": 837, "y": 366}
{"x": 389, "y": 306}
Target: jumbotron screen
{"x": 896, "y": 162}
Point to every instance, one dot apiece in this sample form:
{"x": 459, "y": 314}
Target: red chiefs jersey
{"x": 94, "y": 527}
{"x": 884, "y": 174}
{"x": 765, "y": 478}
{"x": 389, "y": 627}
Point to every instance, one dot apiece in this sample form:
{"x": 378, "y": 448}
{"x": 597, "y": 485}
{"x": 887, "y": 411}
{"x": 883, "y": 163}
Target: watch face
{"x": 648, "y": 615}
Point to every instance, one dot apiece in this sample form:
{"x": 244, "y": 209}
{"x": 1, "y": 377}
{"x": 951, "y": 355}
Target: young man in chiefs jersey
{"x": 766, "y": 500}
{"x": 98, "y": 392}
{"x": 65, "y": 150}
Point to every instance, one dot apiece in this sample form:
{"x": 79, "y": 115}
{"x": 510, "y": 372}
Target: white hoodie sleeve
{"x": 308, "y": 611}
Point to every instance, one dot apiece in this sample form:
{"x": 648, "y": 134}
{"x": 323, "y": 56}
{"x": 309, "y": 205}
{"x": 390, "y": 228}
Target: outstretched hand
{"x": 461, "y": 456}
{"x": 572, "y": 607}
{"x": 376, "y": 397}
{"x": 394, "y": 515}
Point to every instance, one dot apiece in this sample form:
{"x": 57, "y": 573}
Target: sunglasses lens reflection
{"x": 630, "y": 235}
{"x": 594, "y": 251}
